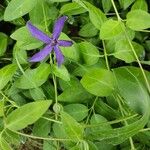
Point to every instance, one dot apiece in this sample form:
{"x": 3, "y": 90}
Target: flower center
{"x": 54, "y": 42}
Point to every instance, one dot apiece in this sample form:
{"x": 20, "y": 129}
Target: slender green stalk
{"x": 132, "y": 48}
{"x": 52, "y": 120}
{"x": 105, "y": 55}
{"x": 111, "y": 122}
{"x": 120, "y": 106}
{"x": 126, "y": 123}
{"x": 116, "y": 11}
{"x": 51, "y": 63}
{"x": 40, "y": 138}
{"x": 91, "y": 109}
{"x": 45, "y": 20}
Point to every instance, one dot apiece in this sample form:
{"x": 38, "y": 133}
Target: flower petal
{"x": 59, "y": 24}
{"x": 42, "y": 54}
{"x": 38, "y": 33}
{"x": 64, "y": 43}
{"x": 59, "y": 55}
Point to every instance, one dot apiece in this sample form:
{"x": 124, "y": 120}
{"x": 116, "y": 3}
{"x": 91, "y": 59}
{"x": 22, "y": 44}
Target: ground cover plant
{"x": 75, "y": 75}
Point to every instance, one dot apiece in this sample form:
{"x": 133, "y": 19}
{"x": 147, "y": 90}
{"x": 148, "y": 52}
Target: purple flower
{"x": 52, "y": 43}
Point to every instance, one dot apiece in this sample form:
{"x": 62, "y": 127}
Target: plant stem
{"x": 132, "y": 48}
{"x": 37, "y": 137}
{"x": 105, "y": 55}
{"x": 45, "y": 20}
{"x": 116, "y": 11}
{"x": 126, "y": 123}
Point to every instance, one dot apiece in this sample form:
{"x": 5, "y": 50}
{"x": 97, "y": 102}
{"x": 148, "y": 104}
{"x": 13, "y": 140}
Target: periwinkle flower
{"x": 52, "y": 43}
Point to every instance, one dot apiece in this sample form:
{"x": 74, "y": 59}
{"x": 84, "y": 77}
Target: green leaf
{"x": 88, "y": 30}
{"x": 89, "y": 53}
{"x": 110, "y": 44}
{"x": 20, "y": 55}
{"x": 41, "y": 127}
{"x": 79, "y": 115}
{"x": 74, "y": 93}
{"x": 26, "y": 115}
{"x": 102, "y": 145}
{"x": 124, "y": 51}
{"x": 1, "y": 108}
{"x": 61, "y": 72}
{"x": 106, "y": 5}
{"x": 33, "y": 78}
{"x": 82, "y": 69}
{"x": 72, "y": 9}
{"x": 126, "y": 3}
{"x": 140, "y": 4}
{"x": 69, "y": 52}
{"x": 18, "y": 8}
{"x": 12, "y": 138}
{"x": 130, "y": 79}
{"x": 49, "y": 145}
{"x": 37, "y": 94}
{"x": 97, "y": 17}
{"x": 99, "y": 123}
{"x": 3, "y": 43}
{"x": 99, "y": 82}
{"x": 138, "y": 20}
{"x": 129, "y": 82}
{"x": 59, "y": 132}
{"x": 6, "y": 74}
{"x": 72, "y": 128}
{"x": 43, "y": 12}
{"x": 4, "y": 145}
{"x": 110, "y": 29}
{"x": 26, "y": 41}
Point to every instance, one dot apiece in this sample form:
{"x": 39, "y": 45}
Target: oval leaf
{"x": 26, "y": 115}
{"x": 72, "y": 9}
{"x": 99, "y": 82}
{"x": 3, "y": 43}
{"x": 77, "y": 111}
{"x": 89, "y": 53}
{"x": 6, "y": 74}
{"x": 18, "y": 8}
{"x": 34, "y": 77}
{"x": 124, "y": 51}
{"x": 110, "y": 29}
{"x": 138, "y": 20}
{"x": 72, "y": 128}
{"x": 61, "y": 72}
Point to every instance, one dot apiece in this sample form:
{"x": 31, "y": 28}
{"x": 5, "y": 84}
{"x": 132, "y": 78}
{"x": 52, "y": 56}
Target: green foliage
{"x": 17, "y": 8}
{"x": 33, "y": 78}
{"x": 123, "y": 50}
{"x": 89, "y": 53}
{"x": 61, "y": 72}
{"x": 72, "y": 128}
{"x": 72, "y": 9}
{"x": 138, "y": 20}
{"x": 26, "y": 115}
{"x": 98, "y": 99}
{"x": 99, "y": 82}
{"x": 26, "y": 41}
{"x": 78, "y": 115}
{"x": 110, "y": 29}
{"x": 140, "y": 4}
{"x": 125, "y": 4}
{"x": 106, "y": 5}
{"x": 88, "y": 30}
{"x": 6, "y": 74}
{"x": 3, "y": 43}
